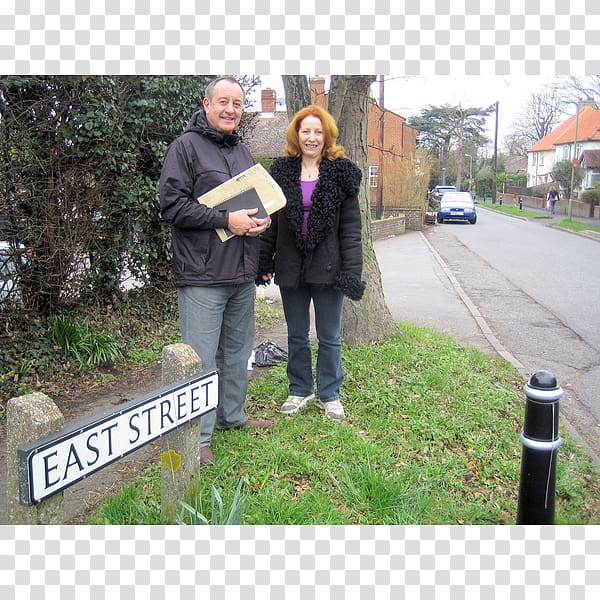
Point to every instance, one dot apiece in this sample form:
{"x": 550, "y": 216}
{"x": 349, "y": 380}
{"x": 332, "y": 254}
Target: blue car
{"x": 457, "y": 206}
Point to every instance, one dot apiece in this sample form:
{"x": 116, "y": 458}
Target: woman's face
{"x": 310, "y": 137}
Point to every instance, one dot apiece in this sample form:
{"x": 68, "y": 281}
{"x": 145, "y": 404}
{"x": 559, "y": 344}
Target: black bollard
{"x": 520, "y": 203}
{"x": 541, "y": 442}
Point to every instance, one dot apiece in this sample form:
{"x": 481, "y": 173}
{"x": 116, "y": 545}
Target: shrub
{"x": 591, "y": 196}
{"x": 89, "y": 349}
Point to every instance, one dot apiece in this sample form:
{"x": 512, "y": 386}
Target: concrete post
{"x": 179, "y": 457}
{"x": 29, "y": 418}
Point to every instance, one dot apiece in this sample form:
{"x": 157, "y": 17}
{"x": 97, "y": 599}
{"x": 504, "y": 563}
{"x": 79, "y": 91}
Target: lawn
{"x": 431, "y": 437}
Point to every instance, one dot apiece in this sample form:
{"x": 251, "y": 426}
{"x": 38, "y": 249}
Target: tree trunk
{"x": 337, "y": 93}
{"x": 297, "y": 93}
{"x": 368, "y": 320}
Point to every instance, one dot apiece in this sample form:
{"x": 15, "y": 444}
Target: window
{"x": 373, "y": 176}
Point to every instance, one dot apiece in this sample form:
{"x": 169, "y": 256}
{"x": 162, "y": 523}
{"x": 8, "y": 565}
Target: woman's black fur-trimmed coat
{"x": 331, "y": 254}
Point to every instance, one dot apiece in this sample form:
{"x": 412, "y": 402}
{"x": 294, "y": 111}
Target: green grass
{"x": 575, "y": 225}
{"x": 571, "y": 224}
{"x": 136, "y": 504}
{"x": 431, "y": 437}
{"x": 509, "y": 209}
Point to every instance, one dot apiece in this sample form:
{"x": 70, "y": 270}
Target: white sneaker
{"x": 294, "y": 403}
{"x": 333, "y": 409}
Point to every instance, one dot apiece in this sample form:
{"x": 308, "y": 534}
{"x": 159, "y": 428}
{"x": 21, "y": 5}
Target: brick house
{"x": 399, "y": 141}
{"x": 268, "y": 136}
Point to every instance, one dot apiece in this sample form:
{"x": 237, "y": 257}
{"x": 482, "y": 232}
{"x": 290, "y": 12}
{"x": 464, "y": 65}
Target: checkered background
{"x": 404, "y": 37}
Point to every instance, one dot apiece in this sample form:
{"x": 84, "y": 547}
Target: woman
{"x": 313, "y": 250}
{"x": 552, "y": 200}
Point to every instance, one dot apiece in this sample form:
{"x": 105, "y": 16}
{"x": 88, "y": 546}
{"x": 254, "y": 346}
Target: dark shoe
{"x": 256, "y": 424}
{"x": 206, "y": 456}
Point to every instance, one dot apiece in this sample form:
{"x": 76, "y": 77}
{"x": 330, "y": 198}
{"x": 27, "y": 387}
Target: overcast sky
{"x": 407, "y": 96}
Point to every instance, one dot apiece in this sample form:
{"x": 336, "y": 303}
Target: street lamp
{"x": 470, "y": 168}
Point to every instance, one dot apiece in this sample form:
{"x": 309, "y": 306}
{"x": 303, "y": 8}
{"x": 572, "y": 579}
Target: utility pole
{"x": 379, "y": 211}
{"x": 573, "y": 163}
{"x": 495, "y": 164}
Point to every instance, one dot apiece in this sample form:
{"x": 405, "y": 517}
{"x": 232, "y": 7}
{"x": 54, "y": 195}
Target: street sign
{"x": 56, "y": 462}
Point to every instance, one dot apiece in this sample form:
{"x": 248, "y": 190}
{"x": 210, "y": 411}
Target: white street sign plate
{"x": 54, "y": 463}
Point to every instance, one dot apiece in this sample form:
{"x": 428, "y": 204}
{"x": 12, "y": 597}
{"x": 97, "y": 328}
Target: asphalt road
{"x": 512, "y": 287}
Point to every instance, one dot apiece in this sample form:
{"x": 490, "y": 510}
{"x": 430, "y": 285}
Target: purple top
{"x": 307, "y": 187}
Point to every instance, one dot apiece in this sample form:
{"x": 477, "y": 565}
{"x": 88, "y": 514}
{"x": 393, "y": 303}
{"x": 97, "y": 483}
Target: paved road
{"x": 447, "y": 278}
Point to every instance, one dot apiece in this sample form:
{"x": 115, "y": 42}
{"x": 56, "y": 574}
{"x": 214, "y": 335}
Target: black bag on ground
{"x": 268, "y": 354}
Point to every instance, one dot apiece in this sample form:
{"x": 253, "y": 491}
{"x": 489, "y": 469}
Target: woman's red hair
{"x": 330, "y": 133}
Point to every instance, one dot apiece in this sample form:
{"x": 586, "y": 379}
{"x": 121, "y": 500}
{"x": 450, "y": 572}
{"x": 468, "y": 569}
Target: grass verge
{"x": 575, "y": 225}
{"x": 571, "y": 224}
{"x": 431, "y": 437}
{"x": 515, "y": 210}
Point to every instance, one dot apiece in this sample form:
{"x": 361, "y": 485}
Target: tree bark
{"x": 297, "y": 93}
{"x": 368, "y": 320}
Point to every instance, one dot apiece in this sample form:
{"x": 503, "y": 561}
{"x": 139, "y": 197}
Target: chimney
{"x": 587, "y": 103}
{"x": 267, "y": 99}
{"x": 317, "y": 91}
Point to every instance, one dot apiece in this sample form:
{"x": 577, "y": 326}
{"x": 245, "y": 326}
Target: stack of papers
{"x": 252, "y": 188}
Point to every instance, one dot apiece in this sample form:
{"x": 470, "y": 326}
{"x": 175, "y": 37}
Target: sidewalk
{"x": 419, "y": 288}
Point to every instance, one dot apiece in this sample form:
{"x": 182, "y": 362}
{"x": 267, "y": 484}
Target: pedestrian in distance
{"x": 215, "y": 280}
{"x": 552, "y": 199}
{"x": 313, "y": 251}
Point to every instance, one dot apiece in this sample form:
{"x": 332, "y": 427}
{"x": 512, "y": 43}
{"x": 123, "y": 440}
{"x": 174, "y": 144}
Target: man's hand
{"x": 242, "y": 222}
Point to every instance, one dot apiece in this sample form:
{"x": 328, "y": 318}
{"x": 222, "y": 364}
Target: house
{"x": 591, "y": 163}
{"x": 515, "y": 164}
{"x": 267, "y": 139}
{"x": 390, "y": 140}
{"x": 399, "y": 140}
{"x": 576, "y": 138}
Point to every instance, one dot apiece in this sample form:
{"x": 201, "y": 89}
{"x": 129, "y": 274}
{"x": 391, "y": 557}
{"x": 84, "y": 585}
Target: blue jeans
{"x": 328, "y": 304}
{"x": 218, "y": 323}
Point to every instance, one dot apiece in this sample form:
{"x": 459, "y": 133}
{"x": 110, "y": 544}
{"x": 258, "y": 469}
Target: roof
{"x": 268, "y": 137}
{"x": 586, "y": 125}
{"x": 515, "y": 164}
{"x": 591, "y": 159}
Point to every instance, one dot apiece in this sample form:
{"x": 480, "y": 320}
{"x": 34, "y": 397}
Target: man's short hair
{"x": 210, "y": 88}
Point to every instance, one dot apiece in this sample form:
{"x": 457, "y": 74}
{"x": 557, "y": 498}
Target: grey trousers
{"x": 218, "y": 323}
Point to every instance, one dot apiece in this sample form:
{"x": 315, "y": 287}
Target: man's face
{"x": 224, "y": 110}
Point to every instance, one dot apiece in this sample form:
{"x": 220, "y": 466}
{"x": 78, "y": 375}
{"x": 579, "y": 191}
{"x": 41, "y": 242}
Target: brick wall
{"x": 387, "y": 227}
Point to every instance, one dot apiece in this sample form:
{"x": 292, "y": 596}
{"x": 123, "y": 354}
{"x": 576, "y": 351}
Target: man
{"x": 215, "y": 280}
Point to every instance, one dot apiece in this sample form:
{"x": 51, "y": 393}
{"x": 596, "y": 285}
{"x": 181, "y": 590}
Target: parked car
{"x": 457, "y": 206}
{"x": 440, "y": 190}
